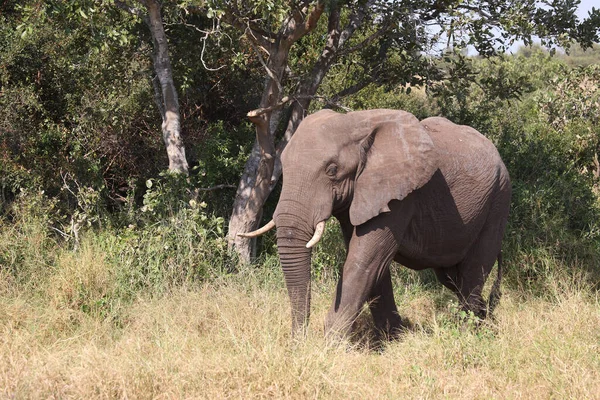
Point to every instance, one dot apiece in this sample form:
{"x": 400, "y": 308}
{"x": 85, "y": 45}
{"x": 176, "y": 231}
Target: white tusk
{"x": 259, "y": 231}
{"x": 317, "y": 236}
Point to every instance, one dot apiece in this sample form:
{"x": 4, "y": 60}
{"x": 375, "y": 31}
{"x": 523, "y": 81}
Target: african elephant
{"x": 429, "y": 194}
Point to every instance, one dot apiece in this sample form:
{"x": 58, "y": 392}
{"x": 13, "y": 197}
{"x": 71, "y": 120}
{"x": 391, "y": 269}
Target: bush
{"x": 171, "y": 239}
{"x": 27, "y": 246}
{"x": 549, "y": 146}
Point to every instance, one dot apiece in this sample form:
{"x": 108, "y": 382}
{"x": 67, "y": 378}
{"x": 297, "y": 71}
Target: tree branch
{"x": 379, "y": 33}
{"x": 270, "y": 73}
{"x": 260, "y": 111}
{"x": 356, "y": 19}
{"x": 478, "y": 10}
{"x": 131, "y": 10}
{"x": 299, "y": 29}
{"x": 288, "y": 99}
{"x": 350, "y": 90}
{"x": 254, "y": 33}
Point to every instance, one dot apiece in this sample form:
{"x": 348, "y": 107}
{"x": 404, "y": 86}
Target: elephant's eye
{"x": 331, "y": 170}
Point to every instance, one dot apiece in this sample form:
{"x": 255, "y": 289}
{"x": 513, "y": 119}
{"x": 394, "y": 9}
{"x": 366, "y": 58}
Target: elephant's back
{"x": 464, "y": 154}
{"x": 472, "y": 181}
{"x": 461, "y": 142}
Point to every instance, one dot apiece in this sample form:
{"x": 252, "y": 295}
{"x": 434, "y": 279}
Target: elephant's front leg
{"x": 383, "y": 306}
{"x": 365, "y": 273}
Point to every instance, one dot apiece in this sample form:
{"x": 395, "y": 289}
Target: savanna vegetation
{"x": 117, "y": 277}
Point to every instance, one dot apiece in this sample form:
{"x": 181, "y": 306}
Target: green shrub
{"x": 172, "y": 240}
{"x": 551, "y": 155}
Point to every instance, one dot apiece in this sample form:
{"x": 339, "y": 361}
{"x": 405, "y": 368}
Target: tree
{"x": 272, "y": 30}
{"x": 165, "y": 92}
{"x": 256, "y": 182}
{"x": 370, "y": 34}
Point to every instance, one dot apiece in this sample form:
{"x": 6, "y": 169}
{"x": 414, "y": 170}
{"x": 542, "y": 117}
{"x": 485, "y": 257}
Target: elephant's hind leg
{"x": 465, "y": 286}
{"x": 448, "y": 277}
{"x": 472, "y": 272}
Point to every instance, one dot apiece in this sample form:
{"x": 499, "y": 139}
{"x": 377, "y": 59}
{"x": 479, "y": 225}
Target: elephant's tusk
{"x": 259, "y": 231}
{"x": 317, "y": 236}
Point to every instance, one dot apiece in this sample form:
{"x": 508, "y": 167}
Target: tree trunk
{"x": 255, "y": 184}
{"x": 169, "y": 103}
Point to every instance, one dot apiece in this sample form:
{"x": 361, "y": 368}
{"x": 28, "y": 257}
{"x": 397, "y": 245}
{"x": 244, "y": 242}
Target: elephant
{"x": 426, "y": 194}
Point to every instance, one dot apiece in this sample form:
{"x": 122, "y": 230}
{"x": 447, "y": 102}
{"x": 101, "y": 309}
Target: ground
{"x": 230, "y": 339}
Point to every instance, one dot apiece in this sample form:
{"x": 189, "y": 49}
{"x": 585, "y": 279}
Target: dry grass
{"x": 230, "y": 340}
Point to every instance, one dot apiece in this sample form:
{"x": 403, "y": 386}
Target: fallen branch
{"x": 217, "y": 187}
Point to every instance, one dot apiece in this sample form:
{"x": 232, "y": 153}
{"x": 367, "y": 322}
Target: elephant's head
{"x": 336, "y": 162}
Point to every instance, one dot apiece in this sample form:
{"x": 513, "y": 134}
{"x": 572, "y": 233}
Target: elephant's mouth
{"x": 342, "y": 197}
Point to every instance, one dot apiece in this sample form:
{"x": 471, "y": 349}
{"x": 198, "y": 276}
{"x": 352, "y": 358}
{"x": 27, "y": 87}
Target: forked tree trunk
{"x": 253, "y": 190}
{"x": 256, "y": 183}
{"x": 263, "y": 168}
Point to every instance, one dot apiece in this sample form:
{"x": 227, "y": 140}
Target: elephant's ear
{"x": 395, "y": 159}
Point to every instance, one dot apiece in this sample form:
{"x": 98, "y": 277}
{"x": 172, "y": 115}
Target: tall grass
{"x": 230, "y": 339}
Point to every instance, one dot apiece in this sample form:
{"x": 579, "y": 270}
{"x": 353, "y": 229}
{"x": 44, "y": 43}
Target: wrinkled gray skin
{"x": 427, "y": 194}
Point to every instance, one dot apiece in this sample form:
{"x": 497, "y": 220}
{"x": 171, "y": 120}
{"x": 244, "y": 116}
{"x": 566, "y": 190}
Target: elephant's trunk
{"x": 295, "y": 260}
{"x": 292, "y": 236}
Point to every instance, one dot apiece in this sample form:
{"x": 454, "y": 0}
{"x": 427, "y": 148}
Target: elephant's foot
{"x": 388, "y": 323}
{"x": 389, "y": 328}
{"x": 339, "y": 325}
{"x": 474, "y": 304}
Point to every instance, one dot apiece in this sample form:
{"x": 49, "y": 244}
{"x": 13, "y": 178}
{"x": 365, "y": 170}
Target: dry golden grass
{"x": 230, "y": 339}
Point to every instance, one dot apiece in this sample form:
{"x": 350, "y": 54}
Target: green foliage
{"x": 414, "y": 100}
{"x": 171, "y": 239}
{"x": 80, "y": 114}
{"x": 70, "y": 101}
{"x": 554, "y": 211}
{"x": 549, "y": 141}
{"x": 221, "y": 159}
{"x": 577, "y": 56}
{"x": 573, "y": 95}
{"x": 473, "y": 90}
{"x": 186, "y": 248}
{"x": 329, "y": 255}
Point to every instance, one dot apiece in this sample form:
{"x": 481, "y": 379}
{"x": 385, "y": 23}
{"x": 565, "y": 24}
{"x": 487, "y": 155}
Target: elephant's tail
{"x": 495, "y": 293}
